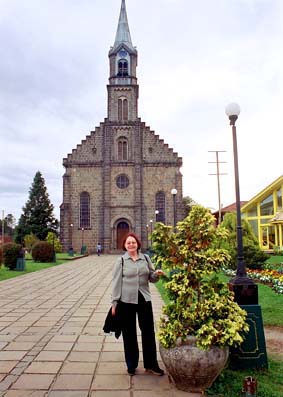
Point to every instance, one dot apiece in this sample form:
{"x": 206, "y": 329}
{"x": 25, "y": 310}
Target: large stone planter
{"x": 193, "y": 369}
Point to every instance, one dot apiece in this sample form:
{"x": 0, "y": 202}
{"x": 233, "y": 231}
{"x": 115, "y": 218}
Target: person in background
{"x": 130, "y": 286}
{"x": 98, "y": 249}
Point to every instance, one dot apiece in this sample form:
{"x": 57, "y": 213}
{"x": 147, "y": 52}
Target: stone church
{"x": 120, "y": 177}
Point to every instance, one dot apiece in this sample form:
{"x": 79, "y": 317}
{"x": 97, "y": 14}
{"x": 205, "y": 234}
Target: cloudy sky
{"x": 194, "y": 58}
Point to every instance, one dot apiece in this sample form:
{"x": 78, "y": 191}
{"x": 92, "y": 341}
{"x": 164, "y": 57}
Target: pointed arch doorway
{"x": 123, "y": 229}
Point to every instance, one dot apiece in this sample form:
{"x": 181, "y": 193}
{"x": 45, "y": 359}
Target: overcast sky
{"x": 194, "y": 58}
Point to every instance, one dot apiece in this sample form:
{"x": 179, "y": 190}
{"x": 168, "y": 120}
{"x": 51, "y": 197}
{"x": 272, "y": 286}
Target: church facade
{"x": 120, "y": 177}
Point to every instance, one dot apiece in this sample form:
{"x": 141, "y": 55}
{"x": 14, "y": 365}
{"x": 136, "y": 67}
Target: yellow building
{"x": 265, "y": 214}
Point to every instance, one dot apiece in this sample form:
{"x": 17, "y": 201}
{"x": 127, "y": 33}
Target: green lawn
{"x": 275, "y": 259}
{"x": 32, "y": 266}
{"x": 269, "y": 383}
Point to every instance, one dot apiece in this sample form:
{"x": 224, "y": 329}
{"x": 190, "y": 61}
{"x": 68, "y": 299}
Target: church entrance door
{"x": 122, "y": 230}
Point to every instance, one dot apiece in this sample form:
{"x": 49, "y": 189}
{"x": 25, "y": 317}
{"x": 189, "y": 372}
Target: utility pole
{"x": 3, "y": 230}
{"x": 217, "y": 162}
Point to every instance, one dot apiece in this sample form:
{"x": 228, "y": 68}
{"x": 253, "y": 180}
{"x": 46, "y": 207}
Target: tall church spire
{"x": 123, "y": 35}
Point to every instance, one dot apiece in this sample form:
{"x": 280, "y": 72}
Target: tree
{"x": 37, "y": 216}
{"x": 253, "y": 256}
{"x": 188, "y": 204}
{"x": 9, "y": 225}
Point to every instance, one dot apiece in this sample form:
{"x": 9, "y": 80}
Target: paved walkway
{"x": 51, "y": 338}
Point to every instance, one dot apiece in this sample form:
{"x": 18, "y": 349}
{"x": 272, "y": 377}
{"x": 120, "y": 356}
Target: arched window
{"x": 123, "y": 68}
{"x": 160, "y": 206}
{"x": 123, "y": 109}
{"x": 84, "y": 210}
{"x": 122, "y": 148}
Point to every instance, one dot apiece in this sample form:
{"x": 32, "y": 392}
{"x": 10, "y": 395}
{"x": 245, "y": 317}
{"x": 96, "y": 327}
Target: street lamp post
{"x": 174, "y": 193}
{"x": 252, "y": 353}
{"x": 53, "y": 240}
{"x": 82, "y": 249}
{"x": 156, "y": 214}
{"x": 71, "y": 250}
{"x": 150, "y": 221}
{"x": 241, "y": 279}
{"x": 3, "y": 227}
{"x": 146, "y": 236}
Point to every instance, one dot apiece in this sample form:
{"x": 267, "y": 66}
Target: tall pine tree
{"x": 37, "y": 216}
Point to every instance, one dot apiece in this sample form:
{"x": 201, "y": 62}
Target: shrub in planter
{"x": 42, "y": 252}
{"x": 201, "y": 313}
{"x": 11, "y": 253}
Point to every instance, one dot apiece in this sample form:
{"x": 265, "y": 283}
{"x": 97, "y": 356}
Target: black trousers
{"x": 129, "y": 312}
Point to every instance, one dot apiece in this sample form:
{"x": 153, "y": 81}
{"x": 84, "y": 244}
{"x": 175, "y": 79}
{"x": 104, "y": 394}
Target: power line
{"x": 217, "y": 162}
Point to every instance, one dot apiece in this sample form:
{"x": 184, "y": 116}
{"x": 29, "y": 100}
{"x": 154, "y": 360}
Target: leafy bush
{"x": 254, "y": 257}
{"x": 11, "y": 252}
{"x": 30, "y": 240}
{"x": 42, "y": 252}
{"x": 1, "y": 255}
{"x": 54, "y": 241}
{"x": 200, "y": 303}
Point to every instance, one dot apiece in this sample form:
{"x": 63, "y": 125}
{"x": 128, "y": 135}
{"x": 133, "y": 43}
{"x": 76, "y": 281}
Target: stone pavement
{"x": 51, "y": 338}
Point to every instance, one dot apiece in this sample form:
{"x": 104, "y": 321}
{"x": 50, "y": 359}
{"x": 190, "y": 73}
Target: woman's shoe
{"x": 155, "y": 370}
{"x": 131, "y": 371}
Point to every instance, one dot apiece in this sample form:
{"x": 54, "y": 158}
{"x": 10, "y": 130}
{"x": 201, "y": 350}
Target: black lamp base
{"x": 245, "y": 290}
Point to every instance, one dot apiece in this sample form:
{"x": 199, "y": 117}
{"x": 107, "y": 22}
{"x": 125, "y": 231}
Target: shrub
{"x": 1, "y": 255}
{"x": 201, "y": 303}
{"x": 11, "y": 252}
{"x": 30, "y": 240}
{"x": 42, "y": 252}
{"x": 54, "y": 241}
{"x": 254, "y": 257}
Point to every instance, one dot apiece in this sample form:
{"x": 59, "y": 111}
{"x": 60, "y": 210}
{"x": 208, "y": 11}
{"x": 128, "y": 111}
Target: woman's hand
{"x": 113, "y": 310}
{"x": 159, "y": 272}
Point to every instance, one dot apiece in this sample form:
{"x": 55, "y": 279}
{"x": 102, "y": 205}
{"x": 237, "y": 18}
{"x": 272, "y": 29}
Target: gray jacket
{"x": 132, "y": 277}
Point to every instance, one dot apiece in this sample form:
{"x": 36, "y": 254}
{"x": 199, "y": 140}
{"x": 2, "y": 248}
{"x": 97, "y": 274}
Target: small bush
{"x": 1, "y": 255}
{"x": 42, "y": 252}
{"x": 11, "y": 252}
{"x": 255, "y": 258}
{"x": 30, "y": 240}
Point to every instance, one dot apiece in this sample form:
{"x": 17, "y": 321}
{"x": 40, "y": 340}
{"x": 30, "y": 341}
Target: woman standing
{"x": 131, "y": 276}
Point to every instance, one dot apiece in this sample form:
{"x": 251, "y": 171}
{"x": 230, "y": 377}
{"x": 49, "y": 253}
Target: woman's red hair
{"x": 135, "y": 237}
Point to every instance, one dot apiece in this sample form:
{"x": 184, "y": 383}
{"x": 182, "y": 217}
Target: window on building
{"x": 253, "y": 211}
{"x": 160, "y": 206}
{"x": 254, "y": 226}
{"x": 122, "y": 181}
{"x": 84, "y": 210}
{"x": 279, "y": 199}
{"x": 266, "y": 206}
{"x": 123, "y": 112}
{"x": 123, "y": 68}
{"x": 122, "y": 148}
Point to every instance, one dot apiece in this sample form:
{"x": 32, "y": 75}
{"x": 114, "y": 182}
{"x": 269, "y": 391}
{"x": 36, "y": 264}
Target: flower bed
{"x": 270, "y": 277}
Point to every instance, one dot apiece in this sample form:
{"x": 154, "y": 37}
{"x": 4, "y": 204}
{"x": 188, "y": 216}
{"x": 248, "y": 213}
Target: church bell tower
{"x": 123, "y": 88}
